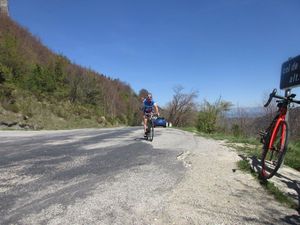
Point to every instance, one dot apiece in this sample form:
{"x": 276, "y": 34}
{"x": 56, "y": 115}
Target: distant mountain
{"x": 41, "y": 89}
{"x": 245, "y": 112}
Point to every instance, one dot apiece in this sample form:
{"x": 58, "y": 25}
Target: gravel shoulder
{"x": 211, "y": 193}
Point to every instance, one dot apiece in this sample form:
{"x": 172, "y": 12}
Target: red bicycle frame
{"x": 281, "y": 118}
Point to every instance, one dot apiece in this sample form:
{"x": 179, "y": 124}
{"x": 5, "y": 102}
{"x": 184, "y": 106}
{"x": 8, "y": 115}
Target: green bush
{"x": 206, "y": 122}
{"x": 210, "y": 113}
{"x": 40, "y": 80}
{"x": 292, "y": 157}
{"x": 236, "y": 131}
{"x": 5, "y": 73}
{"x": 10, "y": 55}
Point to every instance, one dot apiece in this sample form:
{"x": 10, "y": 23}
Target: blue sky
{"x": 228, "y": 48}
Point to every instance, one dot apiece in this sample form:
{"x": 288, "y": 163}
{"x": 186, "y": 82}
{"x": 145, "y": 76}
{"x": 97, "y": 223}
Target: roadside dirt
{"x": 211, "y": 193}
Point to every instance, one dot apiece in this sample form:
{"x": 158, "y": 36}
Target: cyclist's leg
{"x": 145, "y": 123}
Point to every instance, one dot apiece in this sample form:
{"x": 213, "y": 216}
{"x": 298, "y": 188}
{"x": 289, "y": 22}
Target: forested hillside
{"x": 40, "y": 89}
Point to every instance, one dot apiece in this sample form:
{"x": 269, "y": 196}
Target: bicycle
{"x": 150, "y": 126}
{"x": 275, "y": 137}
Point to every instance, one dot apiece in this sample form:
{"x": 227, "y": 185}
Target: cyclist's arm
{"x": 156, "y": 109}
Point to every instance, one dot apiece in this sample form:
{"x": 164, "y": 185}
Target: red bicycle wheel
{"x": 274, "y": 150}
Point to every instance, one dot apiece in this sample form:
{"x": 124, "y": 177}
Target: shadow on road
{"x": 290, "y": 183}
{"x": 293, "y": 219}
{"x": 65, "y": 172}
{"x": 294, "y": 185}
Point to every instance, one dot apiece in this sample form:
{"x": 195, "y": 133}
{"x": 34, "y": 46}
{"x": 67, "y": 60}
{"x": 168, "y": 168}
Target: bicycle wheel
{"x": 274, "y": 150}
{"x": 151, "y": 131}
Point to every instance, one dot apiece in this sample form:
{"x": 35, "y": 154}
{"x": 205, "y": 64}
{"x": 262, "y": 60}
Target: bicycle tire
{"x": 151, "y": 131}
{"x": 272, "y": 159}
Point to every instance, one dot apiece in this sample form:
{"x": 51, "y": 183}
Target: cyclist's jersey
{"x": 148, "y": 107}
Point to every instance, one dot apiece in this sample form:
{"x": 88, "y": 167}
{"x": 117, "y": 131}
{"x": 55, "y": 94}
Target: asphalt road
{"x": 113, "y": 176}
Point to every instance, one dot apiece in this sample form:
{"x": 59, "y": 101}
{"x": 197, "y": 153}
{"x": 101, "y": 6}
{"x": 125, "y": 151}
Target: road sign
{"x": 290, "y": 73}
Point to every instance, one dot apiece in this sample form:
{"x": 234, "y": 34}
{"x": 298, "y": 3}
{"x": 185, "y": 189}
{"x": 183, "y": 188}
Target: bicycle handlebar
{"x": 273, "y": 95}
{"x": 151, "y": 114}
{"x": 296, "y": 101}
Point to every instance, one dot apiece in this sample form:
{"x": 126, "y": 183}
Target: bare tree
{"x": 182, "y": 110}
{"x": 242, "y": 124}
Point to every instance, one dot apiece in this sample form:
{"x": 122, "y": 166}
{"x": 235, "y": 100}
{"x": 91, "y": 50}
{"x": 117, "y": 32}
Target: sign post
{"x": 290, "y": 73}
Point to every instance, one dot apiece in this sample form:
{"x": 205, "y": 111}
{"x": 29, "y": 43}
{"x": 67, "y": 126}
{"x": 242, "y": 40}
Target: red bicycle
{"x": 275, "y": 137}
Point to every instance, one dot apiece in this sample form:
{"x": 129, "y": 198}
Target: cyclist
{"x": 149, "y": 106}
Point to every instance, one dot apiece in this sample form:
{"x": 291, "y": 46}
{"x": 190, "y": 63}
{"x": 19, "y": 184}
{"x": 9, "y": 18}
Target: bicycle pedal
{"x": 262, "y": 133}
